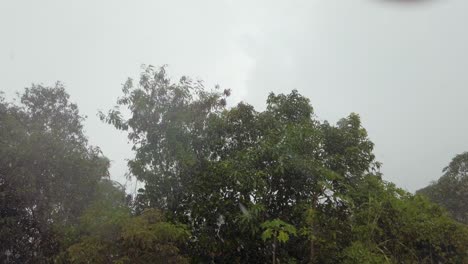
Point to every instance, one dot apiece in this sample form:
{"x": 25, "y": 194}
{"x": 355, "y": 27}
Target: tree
{"x": 277, "y": 231}
{"x": 399, "y": 227}
{"x": 229, "y": 174}
{"x": 200, "y": 161}
{"x": 48, "y": 172}
{"x": 222, "y": 185}
{"x": 108, "y": 233}
{"x": 168, "y": 129}
{"x": 451, "y": 190}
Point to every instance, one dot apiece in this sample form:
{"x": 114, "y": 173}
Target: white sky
{"x": 402, "y": 67}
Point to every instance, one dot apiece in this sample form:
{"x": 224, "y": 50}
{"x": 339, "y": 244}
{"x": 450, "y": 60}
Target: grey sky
{"x": 402, "y": 67}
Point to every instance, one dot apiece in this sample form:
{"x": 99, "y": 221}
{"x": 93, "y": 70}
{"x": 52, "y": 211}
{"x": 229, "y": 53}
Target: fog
{"x": 402, "y": 67}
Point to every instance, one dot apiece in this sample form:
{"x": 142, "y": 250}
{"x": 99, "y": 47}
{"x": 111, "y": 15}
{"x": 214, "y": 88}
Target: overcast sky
{"x": 402, "y": 67}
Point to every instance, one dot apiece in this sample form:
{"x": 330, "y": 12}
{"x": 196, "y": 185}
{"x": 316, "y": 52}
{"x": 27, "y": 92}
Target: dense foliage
{"x": 234, "y": 174}
{"x": 222, "y": 185}
{"x": 451, "y": 190}
{"x": 109, "y": 234}
{"x": 48, "y": 173}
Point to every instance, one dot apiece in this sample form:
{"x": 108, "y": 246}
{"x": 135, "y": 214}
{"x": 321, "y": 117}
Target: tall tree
{"x": 48, "y": 172}
{"x": 167, "y": 126}
{"x": 202, "y": 162}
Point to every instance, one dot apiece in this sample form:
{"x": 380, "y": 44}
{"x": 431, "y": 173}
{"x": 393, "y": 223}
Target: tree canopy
{"x": 48, "y": 172}
{"x": 228, "y": 172}
{"x": 221, "y": 184}
{"x": 451, "y": 190}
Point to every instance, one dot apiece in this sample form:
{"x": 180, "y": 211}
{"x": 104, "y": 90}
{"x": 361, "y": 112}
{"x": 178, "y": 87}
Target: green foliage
{"x": 250, "y": 219}
{"x": 222, "y": 185}
{"x": 110, "y": 234}
{"x": 277, "y": 230}
{"x": 225, "y": 172}
{"x": 199, "y": 159}
{"x": 404, "y": 228}
{"x": 167, "y": 125}
{"x": 360, "y": 253}
{"x": 451, "y": 190}
{"x": 48, "y": 172}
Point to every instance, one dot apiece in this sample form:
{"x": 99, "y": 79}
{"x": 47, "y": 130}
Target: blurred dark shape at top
{"x": 406, "y": 2}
